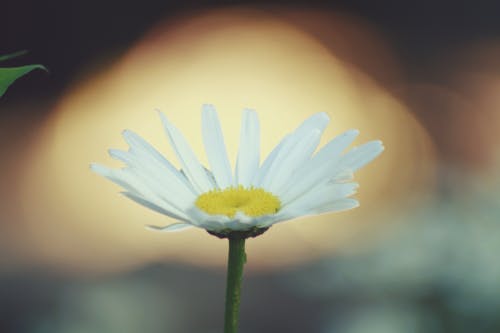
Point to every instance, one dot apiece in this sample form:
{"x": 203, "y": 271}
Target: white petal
{"x": 247, "y": 163}
{"x": 281, "y": 216}
{"x": 323, "y": 195}
{"x": 319, "y": 169}
{"x": 359, "y": 156}
{"x": 243, "y": 222}
{"x": 203, "y": 220}
{"x": 137, "y": 186}
{"x": 334, "y": 148}
{"x": 343, "y": 176}
{"x": 144, "y": 151}
{"x": 159, "y": 179}
{"x": 126, "y": 179}
{"x": 337, "y": 206}
{"x": 215, "y": 147}
{"x": 211, "y": 177}
{"x": 315, "y": 122}
{"x": 269, "y": 161}
{"x": 221, "y": 222}
{"x": 190, "y": 164}
{"x": 141, "y": 201}
{"x": 171, "y": 228}
{"x": 238, "y": 225}
{"x": 170, "y": 180}
{"x": 288, "y": 162}
{"x": 114, "y": 176}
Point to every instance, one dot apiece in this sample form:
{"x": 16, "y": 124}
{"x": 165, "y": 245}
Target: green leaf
{"x": 12, "y": 55}
{"x": 10, "y": 74}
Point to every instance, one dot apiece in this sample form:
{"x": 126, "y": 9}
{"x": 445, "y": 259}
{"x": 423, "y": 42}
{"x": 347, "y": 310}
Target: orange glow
{"x": 232, "y": 59}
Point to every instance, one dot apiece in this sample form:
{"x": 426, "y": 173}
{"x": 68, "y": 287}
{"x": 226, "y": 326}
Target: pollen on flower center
{"x": 252, "y": 202}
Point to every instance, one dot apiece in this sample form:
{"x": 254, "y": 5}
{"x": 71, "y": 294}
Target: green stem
{"x": 235, "y": 261}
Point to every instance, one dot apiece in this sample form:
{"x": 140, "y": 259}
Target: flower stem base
{"x": 254, "y": 232}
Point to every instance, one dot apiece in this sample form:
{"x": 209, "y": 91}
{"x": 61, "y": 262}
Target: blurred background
{"x": 419, "y": 255}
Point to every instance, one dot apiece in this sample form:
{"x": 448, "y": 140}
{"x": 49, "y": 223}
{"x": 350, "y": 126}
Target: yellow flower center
{"x": 252, "y": 202}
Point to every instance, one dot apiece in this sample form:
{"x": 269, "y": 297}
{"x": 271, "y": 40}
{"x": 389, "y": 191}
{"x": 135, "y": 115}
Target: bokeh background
{"x": 419, "y": 255}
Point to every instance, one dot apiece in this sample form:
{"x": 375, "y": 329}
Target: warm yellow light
{"x": 232, "y": 59}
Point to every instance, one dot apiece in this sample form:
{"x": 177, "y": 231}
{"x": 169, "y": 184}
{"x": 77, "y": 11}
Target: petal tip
{"x": 162, "y": 115}
{"x": 324, "y": 115}
{"x": 126, "y": 132}
{"x": 169, "y": 228}
{"x": 209, "y": 106}
{"x": 379, "y": 146}
{"x": 208, "y": 110}
{"x": 99, "y": 169}
{"x": 354, "y": 132}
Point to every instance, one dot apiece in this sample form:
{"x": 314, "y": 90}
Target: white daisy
{"x": 293, "y": 181}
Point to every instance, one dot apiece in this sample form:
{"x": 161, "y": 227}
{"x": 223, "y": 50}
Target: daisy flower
{"x": 293, "y": 180}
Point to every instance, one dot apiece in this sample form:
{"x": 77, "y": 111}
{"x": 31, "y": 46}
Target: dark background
{"x": 65, "y": 35}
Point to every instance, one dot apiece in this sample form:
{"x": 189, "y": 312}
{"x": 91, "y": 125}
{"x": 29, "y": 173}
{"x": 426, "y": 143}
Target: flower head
{"x": 293, "y": 181}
